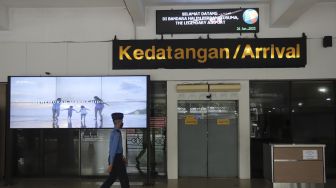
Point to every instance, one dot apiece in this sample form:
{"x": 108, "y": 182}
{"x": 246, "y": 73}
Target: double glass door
{"x": 207, "y": 137}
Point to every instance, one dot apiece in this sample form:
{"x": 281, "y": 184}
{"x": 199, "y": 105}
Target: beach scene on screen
{"x": 77, "y": 102}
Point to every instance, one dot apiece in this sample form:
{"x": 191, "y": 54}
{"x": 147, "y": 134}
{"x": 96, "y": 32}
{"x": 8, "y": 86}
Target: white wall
{"x": 67, "y": 24}
{"x": 71, "y": 42}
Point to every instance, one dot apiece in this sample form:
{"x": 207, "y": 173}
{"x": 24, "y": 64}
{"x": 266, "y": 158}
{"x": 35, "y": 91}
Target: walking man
{"x": 116, "y": 160}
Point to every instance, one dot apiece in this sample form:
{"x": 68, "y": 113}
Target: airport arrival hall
{"x": 168, "y": 93}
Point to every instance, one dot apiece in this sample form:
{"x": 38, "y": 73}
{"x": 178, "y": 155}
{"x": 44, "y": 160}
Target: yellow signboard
{"x": 190, "y": 120}
{"x": 223, "y": 122}
{"x": 219, "y": 53}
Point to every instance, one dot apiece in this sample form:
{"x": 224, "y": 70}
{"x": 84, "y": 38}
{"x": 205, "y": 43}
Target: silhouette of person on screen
{"x": 69, "y": 123}
{"x": 70, "y": 110}
{"x": 83, "y": 112}
{"x": 83, "y": 125}
{"x": 100, "y": 125}
{"x": 99, "y": 106}
{"x": 56, "y": 107}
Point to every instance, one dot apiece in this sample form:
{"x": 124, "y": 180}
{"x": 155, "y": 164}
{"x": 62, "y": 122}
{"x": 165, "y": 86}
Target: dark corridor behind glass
{"x": 300, "y": 111}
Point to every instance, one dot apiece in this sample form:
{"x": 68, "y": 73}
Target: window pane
{"x": 158, "y": 128}
{"x": 292, "y": 112}
{"x": 94, "y": 151}
{"x": 27, "y": 149}
{"x": 269, "y": 113}
{"x": 61, "y": 152}
{"x": 312, "y": 114}
{"x": 313, "y": 117}
{"x": 269, "y": 110}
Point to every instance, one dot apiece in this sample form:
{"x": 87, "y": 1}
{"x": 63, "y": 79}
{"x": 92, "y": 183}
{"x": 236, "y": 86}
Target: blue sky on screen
{"x": 32, "y": 89}
{"x": 123, "y": 88}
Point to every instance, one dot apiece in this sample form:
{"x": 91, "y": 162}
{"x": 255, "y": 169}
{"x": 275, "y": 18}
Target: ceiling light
{"x": 300, "y": 103}
{"x": 328, "y": 99}
{"x": 322, "y": 89}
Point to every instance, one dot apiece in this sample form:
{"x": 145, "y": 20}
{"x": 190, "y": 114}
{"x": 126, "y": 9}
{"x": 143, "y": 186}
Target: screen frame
{"x": 9, "y": 84}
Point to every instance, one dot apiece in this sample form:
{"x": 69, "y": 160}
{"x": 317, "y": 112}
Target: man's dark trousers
{"x": 118, "y": 171}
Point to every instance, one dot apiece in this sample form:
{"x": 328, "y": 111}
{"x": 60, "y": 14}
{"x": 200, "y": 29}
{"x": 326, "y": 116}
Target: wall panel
{"x": 13, "y": 58}
{"x": 89, "y": 58}
{"x": 46, "y": 57}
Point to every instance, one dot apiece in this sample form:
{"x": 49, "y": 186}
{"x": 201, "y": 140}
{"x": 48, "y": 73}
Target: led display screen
{"x": 238, "y": 20}
{"x": 78, "y": 102}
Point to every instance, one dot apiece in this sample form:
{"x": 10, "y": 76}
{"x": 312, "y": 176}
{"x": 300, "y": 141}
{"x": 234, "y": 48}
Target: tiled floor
{"x": 181, "y": 183}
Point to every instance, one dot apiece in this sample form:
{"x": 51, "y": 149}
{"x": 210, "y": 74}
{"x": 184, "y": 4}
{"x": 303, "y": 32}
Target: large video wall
{"x": 77, "y": 102}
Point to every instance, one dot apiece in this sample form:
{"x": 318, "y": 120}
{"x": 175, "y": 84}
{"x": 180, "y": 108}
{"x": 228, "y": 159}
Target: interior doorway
{"x": 208, "y": 138}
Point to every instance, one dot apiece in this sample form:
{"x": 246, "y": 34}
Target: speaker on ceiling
{"x": 327, "y": 41}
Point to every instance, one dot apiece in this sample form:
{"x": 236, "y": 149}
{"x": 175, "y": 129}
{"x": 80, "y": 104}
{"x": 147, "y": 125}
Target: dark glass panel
{"x": 94, "y": 151}
{"x": 158, "y": 128}
{"x": 269, "y": 113}
{"x": 27, "y": 153}
{"x": 313, "y": 117}
{"x": 292, "y": 112}
{"x": 269, "y": 107}
{"x": 61, "y": 152}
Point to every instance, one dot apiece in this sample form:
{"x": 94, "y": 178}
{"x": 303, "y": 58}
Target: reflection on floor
{"x": 181, "y": 183}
